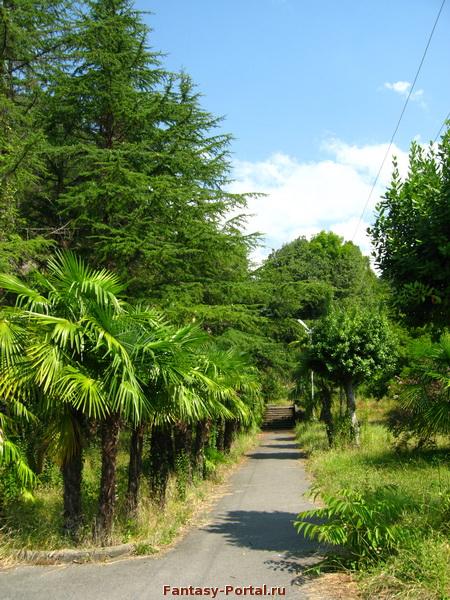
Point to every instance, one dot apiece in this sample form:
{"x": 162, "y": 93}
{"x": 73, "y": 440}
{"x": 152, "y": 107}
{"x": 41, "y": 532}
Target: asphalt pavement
{"x": 247, "y": 546}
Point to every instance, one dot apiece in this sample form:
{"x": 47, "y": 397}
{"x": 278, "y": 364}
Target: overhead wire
{"x": 411, "y": 90}
{"x": 447, "y": 118}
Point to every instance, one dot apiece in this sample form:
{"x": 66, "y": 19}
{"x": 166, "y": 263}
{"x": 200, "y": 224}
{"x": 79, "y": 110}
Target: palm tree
{"x": 77, "y": 352}
{"x": 13, "y": 408}
{"x": 189, "y": 383}
{"x": 424, "y": 391}
{"x": 74, "y": 357}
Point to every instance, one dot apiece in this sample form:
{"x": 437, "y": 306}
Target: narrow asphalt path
{"x": 248, "y": 540}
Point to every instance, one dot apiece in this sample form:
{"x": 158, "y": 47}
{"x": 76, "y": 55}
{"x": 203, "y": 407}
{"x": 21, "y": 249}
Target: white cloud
{"x": 402, "y": 88}
{"x": 303, "y": 198}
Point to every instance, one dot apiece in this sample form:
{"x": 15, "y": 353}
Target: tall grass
{"x": 419, "y": 568}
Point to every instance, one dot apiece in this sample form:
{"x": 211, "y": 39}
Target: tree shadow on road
{"x": 278, "y": 455}
{"x": 272, "y": 532}
{"x": 261, "y": 530}
{"x": 292, "y": 445}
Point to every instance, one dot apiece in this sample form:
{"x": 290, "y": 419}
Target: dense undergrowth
{"x": 388, "y": 508}
{"x": 35, "y": 522}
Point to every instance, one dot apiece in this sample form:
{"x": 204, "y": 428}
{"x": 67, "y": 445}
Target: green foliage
{"x": 183, "y": 473}
{"x": 364, "y": 525}
{"x": 337, "y": 268}
{"x": 303, "y": 280}
{"x": 135, "y": 167}
{"x": 32, "y": 36}
{"x": 213, "y": 458}
{"x": 417, "y": 481}
{"x": 352, "y": 345}
{"x": 424, "y": 393}
{"x": 410, "y": 236}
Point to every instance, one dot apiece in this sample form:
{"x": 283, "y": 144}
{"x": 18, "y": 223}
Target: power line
{"x": 411, "y": 89}
{"x": 442, "y": 127}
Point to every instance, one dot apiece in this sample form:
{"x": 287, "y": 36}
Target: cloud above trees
{"x": 302, "y": 198}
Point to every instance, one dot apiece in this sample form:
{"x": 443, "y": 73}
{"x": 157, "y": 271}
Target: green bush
{"x": 364, "y": 526}
{"x": 423, "y": 390}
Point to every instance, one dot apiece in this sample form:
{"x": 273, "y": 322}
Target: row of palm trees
{"x": 75, "y": 357}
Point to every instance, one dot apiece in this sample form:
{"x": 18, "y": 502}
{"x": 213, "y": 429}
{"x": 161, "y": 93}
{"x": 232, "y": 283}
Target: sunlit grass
{"x": 36, "y": 524}
{"x": 421, "y": 478}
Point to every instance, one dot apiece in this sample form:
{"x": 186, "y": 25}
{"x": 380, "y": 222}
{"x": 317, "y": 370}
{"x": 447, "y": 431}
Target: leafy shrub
{"x": 213, "y": 457}
{"x": 424, "y": 394}
{"x": 365, "y": 526}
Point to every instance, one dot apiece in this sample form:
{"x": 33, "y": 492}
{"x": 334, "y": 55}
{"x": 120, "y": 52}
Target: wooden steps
{"x": 278, "y": 416}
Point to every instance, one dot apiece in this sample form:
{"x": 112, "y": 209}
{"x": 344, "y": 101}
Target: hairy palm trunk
{"x": 71, "y": 471}
{"x": 202, "y": 431}
{"x": 220, "y": 437}
{"x": 107, "y": 498}
{"x": 351, "y": 409}
{"x": 183, "y": 441}
{"x": 229, "y": 433}
{"x": 326, "y": 415}
{"x": 135, "y": 469}
{"x": 159, "y": 463}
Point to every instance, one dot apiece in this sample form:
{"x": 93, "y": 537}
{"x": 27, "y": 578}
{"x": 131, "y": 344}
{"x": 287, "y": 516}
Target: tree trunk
{"x": 220, "y": 437}
{"x": 201, "y": 439}
{"x": 326, "y": 415}
{"x": 159, "y": 463}
{"x": 341, "y": 401}
{"x": 183, "y": 441}
{"x": 107, "y": 498}
{"x": 71, "y": 471}
{"x": 228, "y": 435}
{"x": 135, "y": 469}
{"x": 351, "y": 409}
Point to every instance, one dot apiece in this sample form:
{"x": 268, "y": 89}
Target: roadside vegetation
{"x": 37, "y": 522}
{"x": 138, "y": 342}
{"x": 389, "y": 517}
{"x": 381, "y": 466}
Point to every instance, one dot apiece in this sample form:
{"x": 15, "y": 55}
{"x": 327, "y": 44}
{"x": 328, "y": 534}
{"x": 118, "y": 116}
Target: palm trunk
{"x": 135, "y": 469}
{"x": 229, "y": 432}
{"x": 71, "y": 471}
{"x": 201, "y": 440}
{"x": 183, "y": 440}
{"x": 159, "y": 463}
{"x": 220, "y": 437}
{"x": 107, "y": 498}
{"x": 351, "y": 409}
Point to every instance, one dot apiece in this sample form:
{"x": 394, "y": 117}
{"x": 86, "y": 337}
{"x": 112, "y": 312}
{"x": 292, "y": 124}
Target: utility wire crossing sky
{"x": 311, "y": 93}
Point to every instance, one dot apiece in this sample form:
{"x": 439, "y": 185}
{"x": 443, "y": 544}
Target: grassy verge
{"x": 36, "y": 523}
{"x": 419, "y": 567}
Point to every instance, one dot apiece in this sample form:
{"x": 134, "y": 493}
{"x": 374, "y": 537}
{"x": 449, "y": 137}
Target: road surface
{"x": 248, "y": 543}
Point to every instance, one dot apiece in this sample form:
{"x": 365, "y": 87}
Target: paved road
{"x": 248, "y": 541}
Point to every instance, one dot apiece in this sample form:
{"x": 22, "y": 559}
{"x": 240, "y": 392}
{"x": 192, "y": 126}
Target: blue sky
{"x": 311, "y": 91}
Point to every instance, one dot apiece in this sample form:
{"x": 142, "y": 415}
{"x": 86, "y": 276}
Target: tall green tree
{"x": 136, "y": 168}
{"x": 411, "y": 236}
{"x": 73, "y": 356}
{"x": 302, "y": 267}
{"x": 348, "y": 347}
{"x": 31, "y": 38}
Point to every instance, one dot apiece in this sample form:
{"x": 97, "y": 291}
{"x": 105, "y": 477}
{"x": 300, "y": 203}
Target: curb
{"x": 51, "y": 557}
